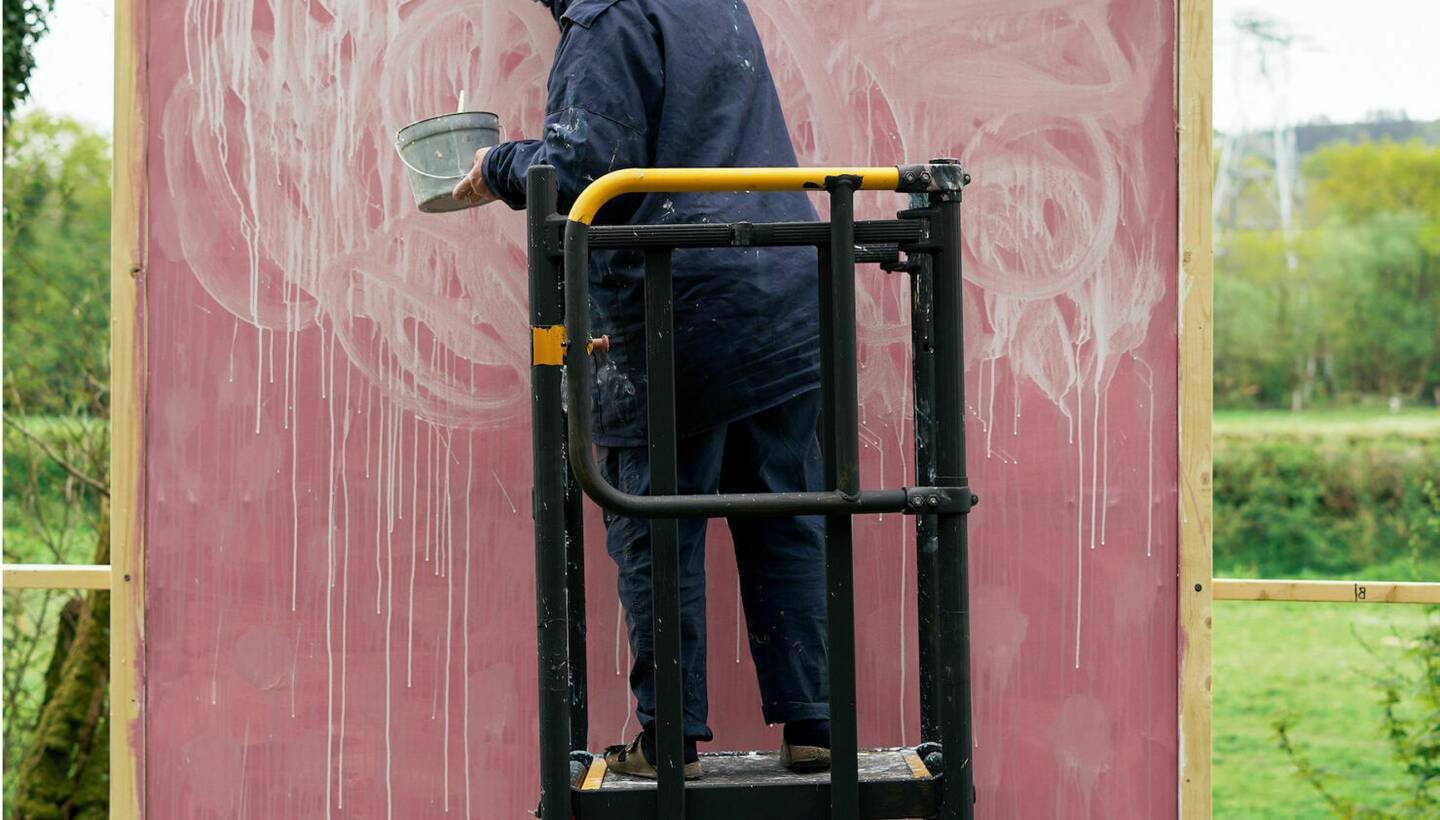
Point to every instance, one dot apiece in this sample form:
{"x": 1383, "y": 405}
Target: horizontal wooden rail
{"x": 1337, "y": 592}
{"x": 57, "y": 576}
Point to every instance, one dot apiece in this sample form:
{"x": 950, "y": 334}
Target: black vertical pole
{"x": 664, "y": 537}
{"x": 575, "y": 603}
{"x": 548, "y": 508}
{"x": 843, "y": 430}
{"x": 827, "y": 371}
{"x": 927, "y": 542}
{"x": 955, "y": 728}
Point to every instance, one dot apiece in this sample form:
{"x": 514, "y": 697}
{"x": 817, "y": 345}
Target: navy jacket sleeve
{"x": 604, "y": 95}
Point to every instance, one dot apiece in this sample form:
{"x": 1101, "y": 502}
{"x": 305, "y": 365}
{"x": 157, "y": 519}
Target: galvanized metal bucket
{"x": 438, "y": 152}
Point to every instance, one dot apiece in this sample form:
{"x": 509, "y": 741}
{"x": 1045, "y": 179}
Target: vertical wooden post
{"x": 1194, "y": 58}
{"x": 127, "y": 414}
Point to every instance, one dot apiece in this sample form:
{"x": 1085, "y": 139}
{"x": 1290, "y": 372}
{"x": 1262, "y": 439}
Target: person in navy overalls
{"x": 685, "y": 83}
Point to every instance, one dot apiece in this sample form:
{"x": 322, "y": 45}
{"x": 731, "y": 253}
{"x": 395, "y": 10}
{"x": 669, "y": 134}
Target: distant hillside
{"x": 1314, "y": 135}
{"x": 1311, "y": 136}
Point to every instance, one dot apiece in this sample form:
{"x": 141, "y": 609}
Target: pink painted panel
{"x": 340, "y": 611}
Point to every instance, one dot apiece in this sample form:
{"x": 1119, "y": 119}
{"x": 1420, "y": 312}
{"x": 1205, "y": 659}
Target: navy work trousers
{"x": 781, "y": 563}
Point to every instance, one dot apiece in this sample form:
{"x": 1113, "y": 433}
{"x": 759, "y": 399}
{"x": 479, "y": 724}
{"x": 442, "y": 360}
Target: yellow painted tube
{"x": 677, "y": 180}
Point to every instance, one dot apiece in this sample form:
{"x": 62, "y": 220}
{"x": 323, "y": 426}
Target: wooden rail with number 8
{"x": 1339, "y": 592}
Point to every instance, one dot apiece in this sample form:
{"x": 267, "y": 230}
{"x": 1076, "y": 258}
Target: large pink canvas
{"x": 339, "y": 613}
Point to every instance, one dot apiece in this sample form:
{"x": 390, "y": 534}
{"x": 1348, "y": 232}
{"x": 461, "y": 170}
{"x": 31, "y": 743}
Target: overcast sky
{"x": 1351, "y": 58}
{"x": 75, "y": 63}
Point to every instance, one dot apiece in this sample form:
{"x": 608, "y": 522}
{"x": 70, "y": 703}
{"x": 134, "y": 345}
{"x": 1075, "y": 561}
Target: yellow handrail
{"x": 677, "y": 180}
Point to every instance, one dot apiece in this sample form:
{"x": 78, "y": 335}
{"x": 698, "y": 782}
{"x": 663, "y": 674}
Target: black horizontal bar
{"x": 875, "y": 254}
{"x": 802, "y": 800}
{"x": 741, "y": 505}
{"x": 744, "y": 234}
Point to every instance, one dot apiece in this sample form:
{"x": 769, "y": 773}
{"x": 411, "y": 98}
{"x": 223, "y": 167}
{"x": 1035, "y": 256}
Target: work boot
{"x": 806, "y": 747}
{"x": 637, "y": 758}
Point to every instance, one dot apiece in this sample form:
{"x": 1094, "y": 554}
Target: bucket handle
{"x": 447, "y": 178}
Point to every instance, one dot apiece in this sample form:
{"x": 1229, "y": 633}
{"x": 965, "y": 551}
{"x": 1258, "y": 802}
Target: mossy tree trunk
{"x": 64, "y": 774}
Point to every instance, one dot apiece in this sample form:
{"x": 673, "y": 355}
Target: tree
{"x": 57, "y": 257}
{"x": 1380, "y": 205}
{"x": 64, "y": 771}
{"x": 25, "y": 24}
{"x": 1350, "y": 306}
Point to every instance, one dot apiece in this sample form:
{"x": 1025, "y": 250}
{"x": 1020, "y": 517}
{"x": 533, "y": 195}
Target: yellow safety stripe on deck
{"x": 917, "y": 766}
{"x": 547, "y": 345}
{"x": 595, "y": 776}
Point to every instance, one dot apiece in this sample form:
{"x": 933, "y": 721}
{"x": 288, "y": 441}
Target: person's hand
{"x": 472, "y": 190}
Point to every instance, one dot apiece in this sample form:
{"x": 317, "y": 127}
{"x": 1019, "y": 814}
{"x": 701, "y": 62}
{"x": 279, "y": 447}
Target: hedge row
{"x": 1301, "y": 505}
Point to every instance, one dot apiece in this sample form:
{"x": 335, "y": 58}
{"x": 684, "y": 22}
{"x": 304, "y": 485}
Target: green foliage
{"x": 57, "y": 251}
{"x": 1255, "y": 343}
{"x": 25, "y": 24}
{"x": 1410, "y": 701}
{"x": 1350, "y": 306}
{"x": 50, "y": 513}
{"x": 1372, "y": 179}
{"x": 1304, "y": 504}
{"x": 1315, "y": 666}
{"x": 1382, "y": 292}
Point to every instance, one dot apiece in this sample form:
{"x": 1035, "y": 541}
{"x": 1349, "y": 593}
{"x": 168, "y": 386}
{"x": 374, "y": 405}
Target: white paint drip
{"x": 329, "y": 596}
{"x": 414, "y": 477}
{"x": 449, "y": 622}
{"x": 1105, "y": 467}
{"x": 244, "y": 765}
{"x": 389, "y": 617}
{"x": 619, "y": 616}
{"x": 379, "y": 510}
{"x": 344, "y": 590}
{"x": 230, "y": 369}
{"x": 294, "y": 669}
{"x": 215, "y": 661}
{"x": 629, "y": 703}
{"x": 435, "y": 679}
{"x": 429, "y": 484}
{"x": 1148, "y": 378}
{"x": 738, "y": 627}
{"x": 1079, "y": 523}
{"x": 294, "y": 508}
{"x": 465, "y": 622}
{"x": 410, "y": 610}
{"x": 506, "y": 493}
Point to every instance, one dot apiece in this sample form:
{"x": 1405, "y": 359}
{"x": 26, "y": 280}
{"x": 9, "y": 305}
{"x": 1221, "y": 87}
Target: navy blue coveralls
{"x": 685, "y": 83}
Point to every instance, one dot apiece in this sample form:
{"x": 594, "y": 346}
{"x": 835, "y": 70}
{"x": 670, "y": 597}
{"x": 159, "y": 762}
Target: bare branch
{"x": 95, "y": 484}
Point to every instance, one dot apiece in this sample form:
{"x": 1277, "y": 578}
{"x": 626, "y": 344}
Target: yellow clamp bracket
{"x": 547, "y": 345}
{"x": 678, "y": 180}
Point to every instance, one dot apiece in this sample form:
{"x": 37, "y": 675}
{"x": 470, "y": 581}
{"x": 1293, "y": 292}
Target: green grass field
{"x": 1347, "y": 422}
{"x": 1315, "y": 664}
